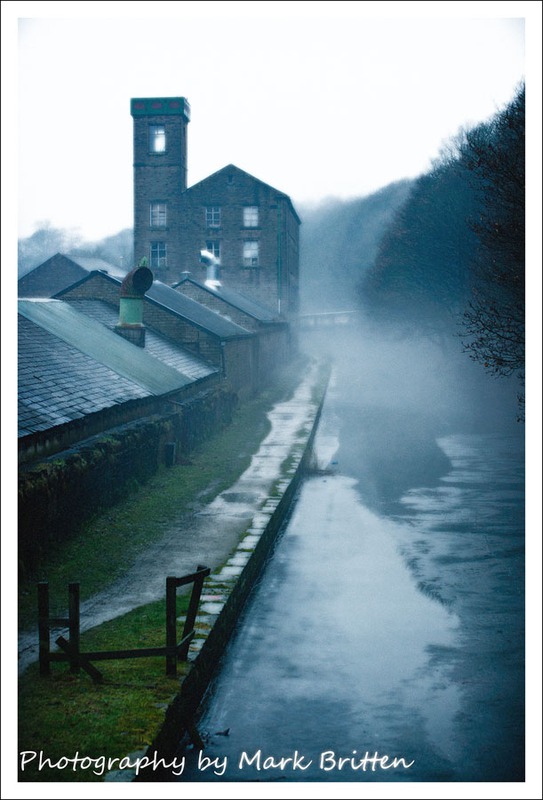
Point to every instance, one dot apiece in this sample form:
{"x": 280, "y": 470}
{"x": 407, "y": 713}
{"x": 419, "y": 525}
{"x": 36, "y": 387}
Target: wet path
{"x": 209, "y": 535}
{"x": 382, "y": 629}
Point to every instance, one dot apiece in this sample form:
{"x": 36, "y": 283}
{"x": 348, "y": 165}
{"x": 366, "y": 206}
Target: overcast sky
{"x": 317, "y": 99}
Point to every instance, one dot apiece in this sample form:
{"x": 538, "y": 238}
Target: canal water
{"x": 384, "y": 642}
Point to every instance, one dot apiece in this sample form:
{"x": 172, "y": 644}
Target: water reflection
{"x": 384, "y": 626}
{"x": 339, "y": 651}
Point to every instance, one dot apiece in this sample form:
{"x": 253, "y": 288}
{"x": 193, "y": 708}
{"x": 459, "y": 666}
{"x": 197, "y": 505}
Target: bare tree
{"x": 494, "y": 321}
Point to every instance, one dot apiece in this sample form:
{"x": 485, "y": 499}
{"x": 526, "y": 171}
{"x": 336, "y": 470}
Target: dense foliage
{"x": 453, "y": 257}
{"x": 339, "y": 242}
{"x": 494, "y": 155}
{"x": 420, "y": 277}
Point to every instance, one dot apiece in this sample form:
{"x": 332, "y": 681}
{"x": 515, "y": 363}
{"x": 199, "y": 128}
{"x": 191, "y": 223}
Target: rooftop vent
{"x": 212, "y": 263}
{"x": 133, "y": 288}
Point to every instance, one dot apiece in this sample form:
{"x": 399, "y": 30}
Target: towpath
{"x": 206, "y": 536}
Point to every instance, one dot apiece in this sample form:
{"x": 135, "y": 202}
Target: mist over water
{"x": 390, "y": 618}
{"x": 398, "y": 395}
{"x": 426, "y": 374}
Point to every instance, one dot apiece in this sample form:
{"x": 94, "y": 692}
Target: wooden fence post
{"x": 43, "y": 627}
{"x": 173, "y": 650}
{"x": 73, "y": 623}
{"x": 171, "y": 620}
{"x": 192, "y": 611}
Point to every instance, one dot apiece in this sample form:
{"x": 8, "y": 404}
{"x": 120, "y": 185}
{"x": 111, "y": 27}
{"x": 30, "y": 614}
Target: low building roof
{"x": 71, "y": 366}
{"x": 169, "y": 299}
{"x": 195, "y": 312}
{"x": 240, "y": 301}
{"x": 60, "y": 271}
{"x": 57, "y": 383}
{"x": 156, "y": 344}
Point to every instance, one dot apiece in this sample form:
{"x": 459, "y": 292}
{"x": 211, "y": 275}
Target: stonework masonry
{"x": 273, "y": 279}
{"x": 236, "y": 357}
{"x": 250, "y": 226}
{"x": 160, "y": 173}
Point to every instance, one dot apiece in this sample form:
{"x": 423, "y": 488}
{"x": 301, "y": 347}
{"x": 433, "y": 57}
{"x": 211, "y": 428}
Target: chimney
{"x": 133, "y": 288}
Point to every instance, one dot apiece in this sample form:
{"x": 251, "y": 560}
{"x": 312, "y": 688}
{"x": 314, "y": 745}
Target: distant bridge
{"x": 327, "y": 319}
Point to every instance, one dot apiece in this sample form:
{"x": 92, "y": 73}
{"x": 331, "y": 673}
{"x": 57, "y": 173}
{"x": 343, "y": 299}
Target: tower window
{"x": 214, "y": 246}
{"x": 157, "y": 215}
{"x": 213, "y": 217}
{"x": 157, "y": 138}
{"x": 250, "y": 254}
{"x": 157, "y": 255}
{"x": 250, "y": 217}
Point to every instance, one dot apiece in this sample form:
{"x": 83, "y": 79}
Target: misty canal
{"x": 384, "y": 641}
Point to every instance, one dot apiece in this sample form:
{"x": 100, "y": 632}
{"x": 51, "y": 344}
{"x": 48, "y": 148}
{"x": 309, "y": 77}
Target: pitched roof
{"x": 59, "y": 272}
{"x": 156, "y": 344}
{"x": 57, "y": 383}
{"x": 163, "y": 295}
{"x": 103, "y": 345}
{"x": 230, "y": 168}
{"x": 240, "y": 301}
{"x": 91, "y": 263}
{"x": 203, "y": 317}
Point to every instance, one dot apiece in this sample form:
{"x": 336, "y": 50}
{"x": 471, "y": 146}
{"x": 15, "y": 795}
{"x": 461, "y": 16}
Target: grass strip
{"x": 67, "y": 714}
{"x": 109, "y": 543}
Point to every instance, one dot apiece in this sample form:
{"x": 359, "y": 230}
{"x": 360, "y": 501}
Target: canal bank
{"x": 385, "y": 642}
{"x": 204, "y": 532}
{"x": 210, "y": 529}
{"x": 227, "y": 590}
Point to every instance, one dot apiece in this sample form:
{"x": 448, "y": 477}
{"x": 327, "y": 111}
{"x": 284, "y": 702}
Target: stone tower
{"x": 160, "y": 177}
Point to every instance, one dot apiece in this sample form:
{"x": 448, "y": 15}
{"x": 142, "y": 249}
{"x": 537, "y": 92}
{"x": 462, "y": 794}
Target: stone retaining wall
{"x": 58, "y": 494}
{"x": 229, "y": 590}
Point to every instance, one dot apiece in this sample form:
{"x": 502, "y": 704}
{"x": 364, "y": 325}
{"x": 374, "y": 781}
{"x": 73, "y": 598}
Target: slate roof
{"x": 195, "y": 312}
{"x": 156, "y": 344}
{"x": 58, "y": 383}
{"x": 168, "y": 298}
{"x": 243, "y": 303}
{"x": 60, "y": 271}
{"x": 70, "y": 366}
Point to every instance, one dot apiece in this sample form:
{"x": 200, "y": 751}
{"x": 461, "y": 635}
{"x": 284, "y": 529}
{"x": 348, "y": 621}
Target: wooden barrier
{"x": 174, "y": 651}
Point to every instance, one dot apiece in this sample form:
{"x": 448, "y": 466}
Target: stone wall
{"x": 58, "y": 494}
{"x": 235, "y": 357}
{"x": 183, "y": 712}
{"x": 276, "y": 272}
{"x": 159, "y": 177}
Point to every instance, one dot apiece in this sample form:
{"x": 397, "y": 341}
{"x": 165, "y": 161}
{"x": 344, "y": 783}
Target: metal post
{"x": 43, "y": 627}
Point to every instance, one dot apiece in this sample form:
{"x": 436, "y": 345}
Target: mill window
{"x": 250, "y": 217}
{"x": 157, "y": 255}
{"x": 157, "y": 215}
{"x": 157, "y": 138}
{"x": 214, "y": 246}
{"x": 213, "y": 217}
{"x": 250, "y": 254}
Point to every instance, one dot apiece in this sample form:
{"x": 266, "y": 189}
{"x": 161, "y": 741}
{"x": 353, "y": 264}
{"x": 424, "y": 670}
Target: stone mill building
{"x": 249, "y": 226}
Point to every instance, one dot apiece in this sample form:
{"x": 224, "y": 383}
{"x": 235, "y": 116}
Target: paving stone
{"x": 211, "y": 608}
